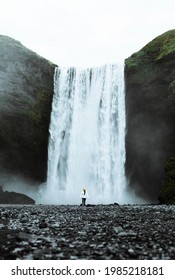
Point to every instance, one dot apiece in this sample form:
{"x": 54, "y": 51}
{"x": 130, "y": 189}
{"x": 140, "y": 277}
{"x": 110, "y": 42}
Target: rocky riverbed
{"x": 92, "y": 232}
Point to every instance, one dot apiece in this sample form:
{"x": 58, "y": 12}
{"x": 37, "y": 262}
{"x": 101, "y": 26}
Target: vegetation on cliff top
{"x": 159, "y": 48}
{"x": 162, "y": 45}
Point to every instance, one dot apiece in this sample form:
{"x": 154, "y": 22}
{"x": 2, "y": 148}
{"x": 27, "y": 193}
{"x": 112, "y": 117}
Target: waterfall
{"x": 87, "y": 135}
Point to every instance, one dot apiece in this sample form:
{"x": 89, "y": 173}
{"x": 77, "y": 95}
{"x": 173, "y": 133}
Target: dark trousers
{"x": 83, "y": 201}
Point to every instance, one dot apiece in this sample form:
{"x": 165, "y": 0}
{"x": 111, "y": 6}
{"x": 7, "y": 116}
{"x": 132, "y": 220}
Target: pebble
{"x": 118, "y": 229}
{"x": 96, "y": 232}
{"x": 42, "y": 225}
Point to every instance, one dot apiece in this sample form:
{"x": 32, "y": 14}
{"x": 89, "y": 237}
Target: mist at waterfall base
{"x": 87, "y": 138}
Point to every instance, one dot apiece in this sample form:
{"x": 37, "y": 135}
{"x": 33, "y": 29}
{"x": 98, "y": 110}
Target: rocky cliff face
{"x": 26, "y": 90}
{"x": 150, "y": 107}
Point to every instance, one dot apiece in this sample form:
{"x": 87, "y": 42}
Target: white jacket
{"x": 84, "y": 195}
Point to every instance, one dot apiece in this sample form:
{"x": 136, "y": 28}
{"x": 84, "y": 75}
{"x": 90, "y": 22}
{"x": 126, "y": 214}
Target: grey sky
{"x": 85, "y": 32}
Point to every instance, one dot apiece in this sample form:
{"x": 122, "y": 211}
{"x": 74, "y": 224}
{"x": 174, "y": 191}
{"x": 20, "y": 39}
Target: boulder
{"x": 14, "y": 198}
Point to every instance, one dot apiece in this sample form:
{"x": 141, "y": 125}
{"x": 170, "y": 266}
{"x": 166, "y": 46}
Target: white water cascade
{"x": 87, "y": 136}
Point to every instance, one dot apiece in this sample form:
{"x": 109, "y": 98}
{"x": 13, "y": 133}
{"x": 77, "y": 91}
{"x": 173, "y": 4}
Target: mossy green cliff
{"x": 150, "y": 108}
{"x": 26, "y": 90}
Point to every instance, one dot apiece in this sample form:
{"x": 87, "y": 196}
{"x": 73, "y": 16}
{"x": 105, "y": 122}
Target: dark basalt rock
{"x": 150, "y": 114}
{"x": 14, "y": 198}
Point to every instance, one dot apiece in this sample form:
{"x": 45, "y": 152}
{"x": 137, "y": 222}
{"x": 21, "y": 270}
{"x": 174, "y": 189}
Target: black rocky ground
{"x": 94, "y": 232}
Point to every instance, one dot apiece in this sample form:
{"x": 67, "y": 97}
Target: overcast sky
{"x": 85, "y": 32}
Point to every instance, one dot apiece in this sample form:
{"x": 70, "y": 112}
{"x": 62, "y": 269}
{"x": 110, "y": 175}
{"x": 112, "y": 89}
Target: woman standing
{"x": 84, "y": 196}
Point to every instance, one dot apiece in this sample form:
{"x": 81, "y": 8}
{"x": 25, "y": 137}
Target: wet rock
{"x": 23, "y": 236}
{"x": 24, "y": 220}
{"x": 43, "y": 225}
{"x": 118, "y": 229}
{"x": 55, "y": 225}
{"x": 123, "y": 234}
{"x": 132, "y": 233}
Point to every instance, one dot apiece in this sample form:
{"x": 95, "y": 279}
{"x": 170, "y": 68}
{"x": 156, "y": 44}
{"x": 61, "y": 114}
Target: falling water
{"x": 87, "y": 135}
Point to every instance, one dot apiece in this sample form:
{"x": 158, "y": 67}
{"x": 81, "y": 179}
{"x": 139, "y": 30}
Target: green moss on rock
{"x": 161, "y": 47}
